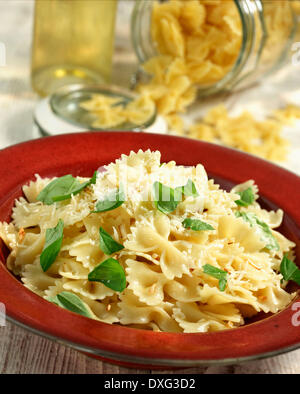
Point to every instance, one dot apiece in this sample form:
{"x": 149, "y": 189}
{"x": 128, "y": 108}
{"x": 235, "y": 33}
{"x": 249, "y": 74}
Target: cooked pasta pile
{"x": 202, "y": 261}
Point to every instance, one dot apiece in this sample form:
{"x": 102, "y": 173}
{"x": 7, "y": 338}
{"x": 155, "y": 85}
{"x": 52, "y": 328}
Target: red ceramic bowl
{"x": 81, "y": 154}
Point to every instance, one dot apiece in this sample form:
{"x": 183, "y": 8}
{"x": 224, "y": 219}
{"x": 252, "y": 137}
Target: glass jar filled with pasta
{"x": 213, "y": 45}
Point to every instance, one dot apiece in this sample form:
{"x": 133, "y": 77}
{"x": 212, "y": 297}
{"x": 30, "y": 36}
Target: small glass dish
{"x": 66, "y": 103}
{"x": 62, "y": 113}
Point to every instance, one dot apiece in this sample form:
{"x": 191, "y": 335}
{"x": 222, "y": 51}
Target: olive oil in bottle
{"x": 72, "y": 43}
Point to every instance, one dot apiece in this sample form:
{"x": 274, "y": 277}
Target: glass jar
{"x": 267, "y": 31}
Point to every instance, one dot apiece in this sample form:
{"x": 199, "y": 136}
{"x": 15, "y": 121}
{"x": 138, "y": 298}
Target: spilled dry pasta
{"x": 197, "y": 44}
{"x": 151, "y": 245}
{"x": 110, "y": 112}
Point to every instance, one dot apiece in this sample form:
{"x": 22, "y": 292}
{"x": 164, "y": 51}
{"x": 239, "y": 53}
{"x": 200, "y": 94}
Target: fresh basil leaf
{"x": 93, "y": 179}
{"x": 248, "y": 217}
{"x": 222, "y": 284}
{"x": 113, "y": 201}
{"x": 271, "y": 242}
{"x": 264, "y": 230}
{"x": 165, "y": 198}
{"x": 107, "y": 244}
{"x": 54, "y": 300}
{"x": 216, "y": 273}
{"x": 110, "y": 273}
{"x": 289, "y": 270}
{"x": 247, "y": 197}
{"x": 189, "y": 190}
{"x": 196, "y": 225}
{"x": 63, "y": 188}
{"x": 53, "y": 241}
{"x": 71, "y": 302}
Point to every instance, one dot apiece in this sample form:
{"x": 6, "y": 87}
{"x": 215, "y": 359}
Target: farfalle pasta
{"x": 201, "y": 260}
{"x": 197, "y": 44}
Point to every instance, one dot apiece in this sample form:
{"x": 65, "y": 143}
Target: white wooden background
{"x": 23, "y": 352}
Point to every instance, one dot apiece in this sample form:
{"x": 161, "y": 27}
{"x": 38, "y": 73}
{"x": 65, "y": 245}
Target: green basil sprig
{"x": 71, "y": 302}
{"x": 289, "y": 270}
{"x": 107, "y": 244}
{"x": 53, "y": 241}
{"x": 63, "y": 188}
{"x": 196, "y": 225}
{"x": 246, "y": 197}
{"x": 167, "y": 199}
{"x": 264, "y": 230}
{"x": 216, "y": 273}
{"x": 189, "y": 190}
{"x": 111, "y": 202}
{"x": 110, "y": 273}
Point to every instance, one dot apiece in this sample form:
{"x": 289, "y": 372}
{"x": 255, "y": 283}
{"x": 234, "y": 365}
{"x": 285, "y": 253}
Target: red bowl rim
{"x": 79, "y": 154}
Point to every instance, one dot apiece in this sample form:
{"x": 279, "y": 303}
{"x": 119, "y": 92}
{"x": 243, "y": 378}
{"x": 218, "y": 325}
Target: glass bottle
{"x": 268, "y": 30}
{"x": 72, "y": 43}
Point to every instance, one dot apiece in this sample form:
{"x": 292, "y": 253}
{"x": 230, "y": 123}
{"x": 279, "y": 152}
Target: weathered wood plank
{"x": 22, "y": 353}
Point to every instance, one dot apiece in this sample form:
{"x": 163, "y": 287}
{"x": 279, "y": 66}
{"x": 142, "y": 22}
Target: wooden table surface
{"x": 24, "y": 353}
{"x": 21, "y": 351}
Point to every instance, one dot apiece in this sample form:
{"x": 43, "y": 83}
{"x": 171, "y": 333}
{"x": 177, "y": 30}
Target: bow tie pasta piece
{"x": 24, "y": 251}
{"x": 27, "y": 214}
{"x": 91, "y": 290}
{"x": 84, "y": 250}
{"x": 285, "y": 245}
{"x": 192, "y": 16}
{"x": 238, "y": 230}
{"x": 140, "y": 256}
{"x": 213, "y": 296}
{"x": 194, "y": 318}
{"x": 146, "y": 283}
{"x": 187, "y": 240}
{"x": 166, "y": 30}
{"x": 185, "y": 289}
{"x": 53, "y": 290}
{"x": 146, "y": 238}
{"x": 140, "y": 110}
{"x": 202, "y": 325}
{"x": 273, "y": 298}
{"x": 35, "y": 279}
{"x": 31, "y": 245}
{"x": 133, "y": 311}
{"x": 71, "y": 269}
{"x": 271, "y": 218}
{"x": 33, "y": 189}
{"x": 268, "y": 299}
{"x": 105, "y": 311}
{"x": 9, "y": 235}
